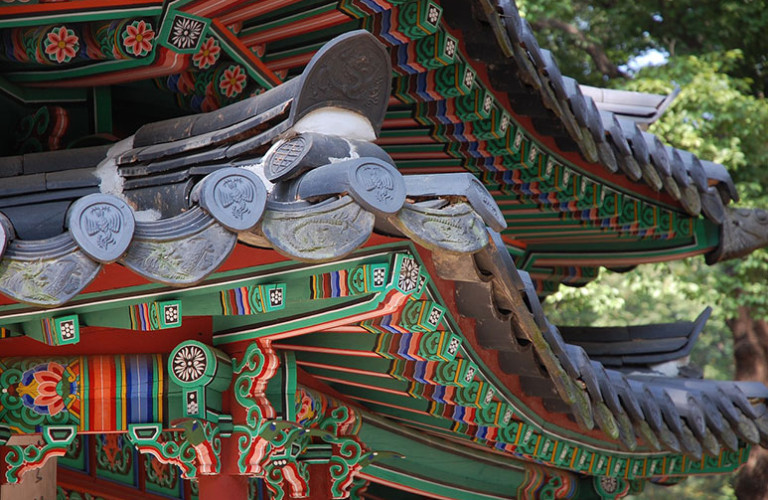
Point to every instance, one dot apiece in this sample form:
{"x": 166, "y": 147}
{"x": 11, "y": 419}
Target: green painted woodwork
{"x": 419, "y": 18}
{"x": 421, "y": 316}
{"x": 71, "y": 494}
{"x": 76, "y": 456}
{"x": 233, "y": 329}
{"x": 116, "y": 458}
{"x": 432, "y": 346}
{"x": 34, "y": 95}
{"x": 406, "y": 278}
{"x": 195, "y": 450}
{"x": 311, "y": 427}
{"x": 78, "y": 72}
{"x": 464, "y": 473}
{"x": 436, "y": 50}
{"x": 461, "y": 396}
{"x": 285, "y": 475}
{"x": 88, "y": 14}
{"x": 476, "y": 406}
{"x": 162, "y": 478}
{"x": 346, "y": 342}
{"x": 253, "y": 371}
{"x": 143, "y": 316}
{"x": 104, "y": 309}
{"x": 102, "y": 109}
{"x": 198, "y": 376}
{"x": 21, "y": 459}
{"x": 61, "y": 330}
{"x": 449, "y": 81}
{"x": 282, "y": 386}
{"x": 339, "y": 425}
{"x": 304, "y": 50}
{"x": 270, "y": 448}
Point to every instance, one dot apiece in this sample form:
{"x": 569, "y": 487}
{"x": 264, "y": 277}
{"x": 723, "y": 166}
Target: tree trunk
{"x": 750, "y": 349}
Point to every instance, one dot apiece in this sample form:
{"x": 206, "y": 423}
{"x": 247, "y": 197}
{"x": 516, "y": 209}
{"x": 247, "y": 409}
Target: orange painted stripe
{"x": 422, "y": 155}
{"x": 290, "y": 62}
{"x": 102, "y": 393}
{"x": 359, "y": 384}
{"x": 432, "y": 170}
{"x": 166, "y": 63}
{"x": 315, "y": 23}
{"x": 248, "y": 11}
{"x": 343, "y": 369}
{"x": 400, "y": 123}
{"x": 406, "y": 140}
{"x": 326, "y": 350}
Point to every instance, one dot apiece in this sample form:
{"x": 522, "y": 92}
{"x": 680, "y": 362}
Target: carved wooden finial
{"x": 743, "y": 231}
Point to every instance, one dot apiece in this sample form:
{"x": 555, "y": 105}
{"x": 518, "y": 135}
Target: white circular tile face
{"x": 102, "y": 225}
{"x": 235, "y": 197}
{"x": 189, "y": 363}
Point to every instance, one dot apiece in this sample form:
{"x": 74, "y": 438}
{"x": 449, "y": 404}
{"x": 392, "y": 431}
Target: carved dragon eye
{"x": 762, "y": 216}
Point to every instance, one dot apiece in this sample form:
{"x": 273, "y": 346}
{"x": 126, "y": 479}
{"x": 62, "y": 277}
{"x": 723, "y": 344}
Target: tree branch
{"x": 596, "y": 52}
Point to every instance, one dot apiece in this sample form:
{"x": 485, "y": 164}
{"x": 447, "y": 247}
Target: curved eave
{"x": 564, "y": 172}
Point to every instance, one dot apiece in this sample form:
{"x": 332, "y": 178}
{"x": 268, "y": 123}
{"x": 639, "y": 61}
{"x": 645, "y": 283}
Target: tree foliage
{"x": 716, "y": 117}
{"x": 716, "y": 55}
{"x": 577, "y": 29}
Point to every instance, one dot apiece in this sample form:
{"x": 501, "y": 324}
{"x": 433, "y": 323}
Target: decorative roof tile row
{"x": 558, "y": 106}
{"x": 255, "y": 178}
{"x": 639, "y": 107}
{"x": 640, "y": 345}
{"x": 171, "y": 201}
{"x": 631, "y": 403}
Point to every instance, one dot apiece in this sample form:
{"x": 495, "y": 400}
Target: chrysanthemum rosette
{"x": 138, "y": 38}
{"x": 61, "y": 44}
{"x": 208, "y": 54}
{"x": 232, "y": 81}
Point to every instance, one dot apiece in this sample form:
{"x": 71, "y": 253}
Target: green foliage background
{"x": 716, "y": 55}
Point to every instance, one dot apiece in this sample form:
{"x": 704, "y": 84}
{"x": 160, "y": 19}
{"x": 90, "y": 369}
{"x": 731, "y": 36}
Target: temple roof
{"x": 639, "y": 344}
{"x": 640, "y": 107}
{"x": 566, "y": 170}
{"x": 492, "y": 179}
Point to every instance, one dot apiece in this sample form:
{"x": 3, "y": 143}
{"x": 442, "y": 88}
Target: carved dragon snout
{"x": 743, "y": 231}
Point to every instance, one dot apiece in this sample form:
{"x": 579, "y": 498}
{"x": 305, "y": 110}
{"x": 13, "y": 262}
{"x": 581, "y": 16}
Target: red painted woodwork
{"x": 223, "y": 486}
{"x": 116, "y": 341}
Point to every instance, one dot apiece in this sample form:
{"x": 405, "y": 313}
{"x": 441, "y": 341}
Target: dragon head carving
{"x": 743, "y": 231}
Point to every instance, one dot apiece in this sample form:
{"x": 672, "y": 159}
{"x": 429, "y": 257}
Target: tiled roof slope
{"x": 186, "y": 190}
{"x": 638, "y": 345}
{"x": 674, "y": 413}
{"x": 640, "y": 107}
{"x": 558, "y": 107}
{"x": 579, "y": 186}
